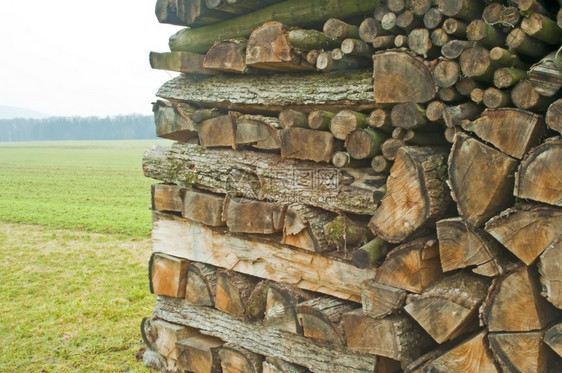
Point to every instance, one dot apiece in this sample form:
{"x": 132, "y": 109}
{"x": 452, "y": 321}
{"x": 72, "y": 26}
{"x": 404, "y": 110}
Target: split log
{"x": 173, "y": 121}
{"x": 290, "y": 13}
{"x": 497, "y": 13}
{"x": 343, "y": 232}
{"x": 303, "y": 143}
{"x": 345, "y": 122}
{"x": 515, "y": 305}
{"x": 271, "y": 94}
{"x": 166, "y": 12}
{"x": 204, "y": 208}
{"x": 449, "y": 307}
{"x": 201, "y": 285}
{"x": 304, "y": 227}
{"x": 411, "y": 266}
{"x": 513, "y": 131}
{"x": 320, "y": 319}
{"x": 519, "y": 41}
{"x": 480, "y": 192}
{"x": 521, "y": 352}
{"x": 395, "y": 337}
{"x": 400, "y": 77}
{"x": 259, "y": 131}
{"x": 236, "y": 359}
{"x": 539, "y": 177}
{"x": 461, "y": 9}
{"x": 183, "y": 62}
{"x": 416, "y": 193}
{"x": 364, "y": 143}
{"x": 261, "y": 176}
{"x": 280, "y": 307}
{"x": 554, "y": 116}
{"x": 553, "y": 338}
{"x": 228, "y": 56}
{"x": 276, "y": 365}
{"x": 484, "y": 34}
{"x": 456, "y": 115}
{"x": 195, "y": 242}
{"x": 545, "y": 76}
{"x": 506, "y": 77}
{"x": 316, "y": 356}
{"x": 337, "y": 29}
{"x": 161, "y": 336}
{"x": 199, "y": 354}
{"x": 247, "y": 216}
{"x": 320, "y": 119}
{"x": 167, "y": 197}
{"x": 217, "y": 132}
{"x": 368, "y": 254}
{"x": 381, "y": 300}
{"x": 195, "y": 13}
{"x": 168, "y": 275}
{"x": 526, "y": 231}
{"x": 462, "y": 246}
{"x": 240, "y": 295}
{"x": 542, "y": 28}
{"x": 550, "y": 269}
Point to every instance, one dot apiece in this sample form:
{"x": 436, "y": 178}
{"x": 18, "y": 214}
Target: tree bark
{"x": 416, "y": 194}
{"x": 545, "y": 77}
{"x": 480, "y": 192}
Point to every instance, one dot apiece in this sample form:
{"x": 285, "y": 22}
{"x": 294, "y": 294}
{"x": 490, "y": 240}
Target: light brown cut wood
{"x": 380, "y": 118}
{"x": 446, "y": 73}
{"x": 521, "y": 352}
{"x": 344, "y": 233}
{"x": 554, "y": 116}
{"x": 419, "y": 41}
{"x": 453, "y": 49}
{"x": 276, "y": 365}
{"x": 337, "y": 29}
{"x": 466, "y": 85}
{"x": 470, "y": 355}
{"x": 480, "y": 178}
{"x": 256, "y": 175}
{"x": 202, "y": 207}
{"x": 388, "y": 23}
{"x": 228, "y": 56}
{"x": 401, "y": 41}
{"x": 461, "y": 9}
{"x": 280, "y": 311}
{"x": 380, "y": 164}
{"x": 542, "y": 27}
{"x": 201, "y": 287}
{"x": 307, "y": 144}
{"x": 408, "y": 21}
{"x": 337, "y": 60}
{"x": 439, "y": 37}
{"x": 455, "y": 27}
{"x": 381, "y": 300}
{"x": 408, "y": 115}
{"x": 236, "y": 359}
{"x": 504, "y": 15}
{"x": 199, "y": 354}
{"x": 507, "y": 58}
{"x": 524, "y": 44}
{"x": 416, "y": 193}
{"x": 515, "y": 305}
{"x": 513, "y": 131}
{"x": 449, "y": 94}
{"x": 320, "y": 119}
{"x": 432, "y": 18}
{"x": 240, "y": 295}
{"x": 539, "y": 177}
{"x": 356, "y": 47}
{"x": 315, "y": 355}
{"x": 195, "y": 242}
{"x": 484, "y": 33}
{"x": 167, "y": 197}
{"x": 168, "y": 275}
{"x": 173, "y": 121}
{"x": 247, "y": 216}
{"x": 364, "y": 143}
{"x": 342, "y": 159}
{"x": 455, "y": 115}
{"x": 411, "y": 266}
{"x": 162, "y": 336}
{"x": 395, "y": 337}
{"x": 525, "y": 97}
{"x": 526, "y": 231}
{"x": 505, "y": 77}
{"x": 217, "y": 132}
{"x": 462, "y": 246}
{"x": 494, "y": 98}
{"x": 320, "y": 318}
{"x": 553, "y": 338}
{"x": 345, "y": 122}
{"x": 259, "y": 131}
{"x": 475, "y": 62}
{"x": 477, "y": 95}
{"x": 369, "y": 29}
{"x": 291, "y": 118}
{"x": 400, "y": 77}
{"x": 304, "y": 227}
{"x": 550, "y": 269}
{"x": 448, "y": 308}
{"x": 545, "y": 76}
{"x": 434, "y": 111}
{"x": 183, "y": 62}
{"x": 383, "y": 42}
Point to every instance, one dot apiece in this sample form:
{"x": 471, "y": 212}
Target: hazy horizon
{"x": 64, "y": 58}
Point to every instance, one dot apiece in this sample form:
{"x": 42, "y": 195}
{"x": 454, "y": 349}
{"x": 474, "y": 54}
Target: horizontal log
{"x": 256, "y": 175}
{"x": 316, "y": 356}
{"x": 186, "y": 239}
{"x": 272, "y": 93}
{"x": 183, "y": 62}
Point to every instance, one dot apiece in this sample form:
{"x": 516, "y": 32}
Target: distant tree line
{"x": 121, "y": 127}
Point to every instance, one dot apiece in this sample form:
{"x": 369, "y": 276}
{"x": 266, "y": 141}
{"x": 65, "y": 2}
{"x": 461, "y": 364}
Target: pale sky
{"x": 68, "y": 57}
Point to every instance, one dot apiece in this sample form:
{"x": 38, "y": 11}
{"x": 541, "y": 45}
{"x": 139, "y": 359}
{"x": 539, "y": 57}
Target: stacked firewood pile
{"x": 358, "y": 186}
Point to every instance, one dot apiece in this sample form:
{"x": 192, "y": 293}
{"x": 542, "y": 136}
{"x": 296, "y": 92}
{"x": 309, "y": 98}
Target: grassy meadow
{"x": 74, "y": 238}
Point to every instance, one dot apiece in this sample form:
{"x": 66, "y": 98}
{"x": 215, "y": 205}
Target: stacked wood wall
{"x": 358, "y": 186}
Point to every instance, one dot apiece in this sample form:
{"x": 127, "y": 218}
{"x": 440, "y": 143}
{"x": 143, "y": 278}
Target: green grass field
{"x": 74, "y": 228}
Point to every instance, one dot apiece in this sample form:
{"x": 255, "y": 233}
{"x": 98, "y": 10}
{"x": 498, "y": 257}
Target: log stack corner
{"x": 357, "y": 186}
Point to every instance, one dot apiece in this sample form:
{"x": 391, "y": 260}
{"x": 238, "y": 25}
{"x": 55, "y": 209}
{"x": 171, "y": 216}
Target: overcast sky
{"x": 68, "y": 57}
